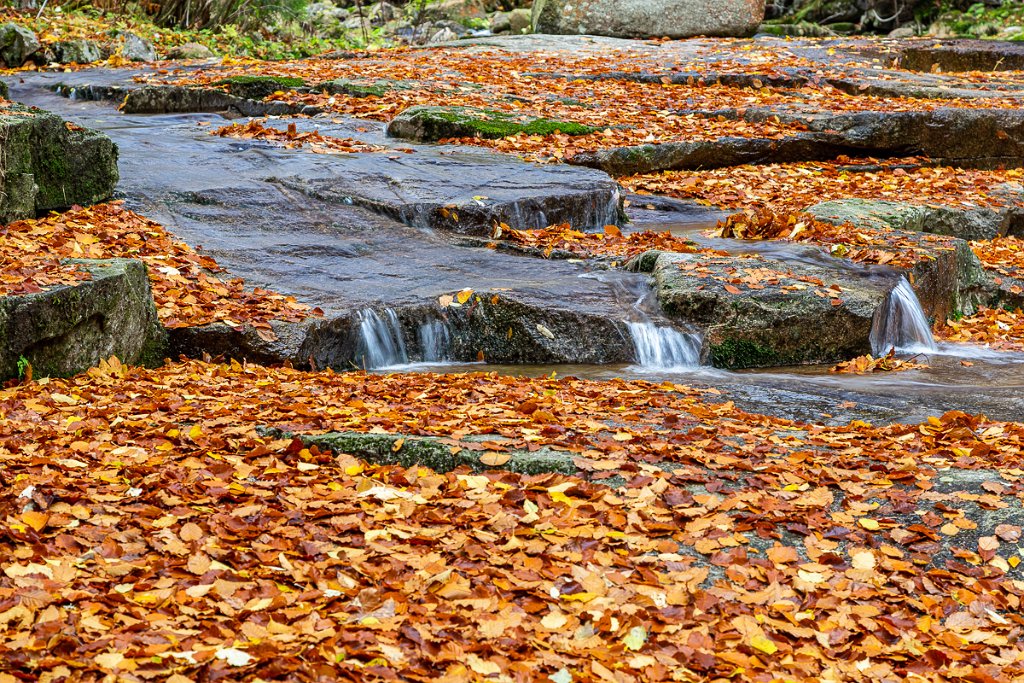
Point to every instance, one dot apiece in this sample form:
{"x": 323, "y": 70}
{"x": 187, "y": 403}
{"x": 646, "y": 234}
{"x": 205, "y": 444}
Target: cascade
{"x": 435, "y": 341}
{"x": 380, "y": 340}
{"x": 664, "y": 347}
{"x": 900, "y": 323}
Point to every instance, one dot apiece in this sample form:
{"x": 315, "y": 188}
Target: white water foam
{"x": 380, "y": 340}
{"x": 435, "y": 341}
{"x": 901, "y": 324}
{"x": 664, "y": 348}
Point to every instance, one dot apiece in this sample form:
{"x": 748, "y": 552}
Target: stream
{"x": 286, "y": 220}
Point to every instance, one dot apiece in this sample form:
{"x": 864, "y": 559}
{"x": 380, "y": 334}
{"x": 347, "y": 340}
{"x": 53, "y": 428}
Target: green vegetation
{"x": 23, "y": 366}
{"x": 983, "y": 21}
{"x": 258, "y": 87}
{"x": 489, "y": 124}
{"x": 742, "y": 353}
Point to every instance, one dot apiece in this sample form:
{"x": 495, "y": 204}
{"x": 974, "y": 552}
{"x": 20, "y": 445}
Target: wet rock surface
{"x": 66, "y": 330}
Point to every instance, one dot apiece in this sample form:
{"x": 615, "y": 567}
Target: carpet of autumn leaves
{"x": 610, "y": 243}
{"x": 292, "y": 138}
{"x": 797, "y": 186}
{"x": 153, "y": 533}
{"x": 186, "y": 286}
{"x": 555, "y": 85}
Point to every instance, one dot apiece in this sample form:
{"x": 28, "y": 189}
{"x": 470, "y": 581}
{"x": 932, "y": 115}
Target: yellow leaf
{"x": 864, "y": 559}
{"x": 579, "y": 597}
{"x": 868, "y": 523}
{"x": 195, "y": 432}
{"x": 560, "y": 497}
{"x": 397, "y": 445}
{"x": 623, "y": 436}
{"x": 463, "y": 296}
{"x": 764, "y": 644}
{"x": 353, "y": 470}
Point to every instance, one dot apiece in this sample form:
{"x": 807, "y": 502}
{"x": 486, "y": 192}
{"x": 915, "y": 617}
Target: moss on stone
{"x": 286, "y": 81}
{"x": 259, "y": 87}
{"x": 407, "y": 451}
{"x": 742, "y": 353}
{"x": 345, "y": 86}
{"x": 427, "y": 123}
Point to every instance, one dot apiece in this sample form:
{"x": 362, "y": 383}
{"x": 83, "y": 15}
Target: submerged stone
{"x": 68, "y": 329}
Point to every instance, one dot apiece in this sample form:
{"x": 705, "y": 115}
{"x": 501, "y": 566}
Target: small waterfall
{"x": 380, "y": 340}
{"x": 664, "y": 347}
{"x": 435, "y": 341}
{"x": 901, "y": 324}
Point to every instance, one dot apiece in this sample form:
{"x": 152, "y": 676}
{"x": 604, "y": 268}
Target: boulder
{"x": 520, "y": 21}
{"x": 135, "y": 48}
{"x": 648, "y": 18}
{"x": 76, "y": 52}
{"x": 191, "y": 51}
{"x": 757, "y": 312}
{"x": 430, "y": 124}
{"x": 48, "y": 164}
{"x": 17, "y": 44}
{"x": 66, "y": 330}
{"x": 499, "y": 23}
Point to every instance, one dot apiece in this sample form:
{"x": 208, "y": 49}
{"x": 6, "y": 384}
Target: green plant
{"x": 24, "y": 367}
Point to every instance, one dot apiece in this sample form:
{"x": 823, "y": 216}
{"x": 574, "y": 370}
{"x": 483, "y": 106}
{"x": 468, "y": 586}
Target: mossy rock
{"x": 47, "y": 165}
{"x": 407, "y": 451}
{"x": 259, "y": 87}
{"x": 430, "y": 124}
{"x": 4, "y": 92}
{"x": 785, "y": 321}
{"x": 68, "y": 329}
{"x": 378, "y": 88}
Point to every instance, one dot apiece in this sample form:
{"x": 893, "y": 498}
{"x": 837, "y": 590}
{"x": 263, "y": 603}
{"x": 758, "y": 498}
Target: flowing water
{"x": 435, "y": 341}
{"x": 226, "y": 196}
{"x": 664, "y": 348}
{"x": 900, "y": 324}
{"x": 380, "y": 340}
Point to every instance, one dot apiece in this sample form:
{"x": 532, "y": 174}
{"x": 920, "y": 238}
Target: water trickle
{"x": 380, "y": 340}
{"x": 900, "y": 323}
{"x": 435, "y": 341}
{"x": 663, "y": 347}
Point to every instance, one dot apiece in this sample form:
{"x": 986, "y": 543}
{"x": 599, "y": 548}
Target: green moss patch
{"x": 429, "y": 124}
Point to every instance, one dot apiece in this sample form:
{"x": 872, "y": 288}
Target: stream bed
{"x": 286, "y": 220}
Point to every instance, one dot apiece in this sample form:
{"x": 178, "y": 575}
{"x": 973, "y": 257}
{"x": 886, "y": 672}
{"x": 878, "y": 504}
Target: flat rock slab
{"x": 756, "y": 312}
{"x": 47, "y": 164}
{"x": 469, "y": 193}
{"x": 66, "y": 330}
